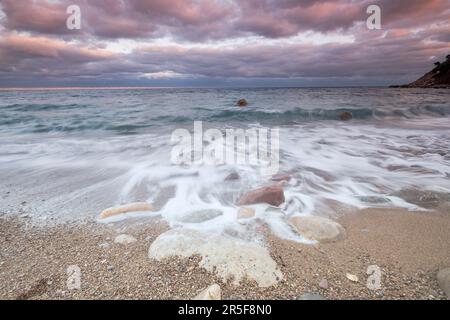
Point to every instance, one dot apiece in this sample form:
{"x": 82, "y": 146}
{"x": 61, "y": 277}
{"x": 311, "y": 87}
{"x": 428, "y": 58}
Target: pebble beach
{"x": 410, "y": 248}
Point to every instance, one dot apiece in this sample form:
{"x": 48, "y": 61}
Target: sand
{"x": 408, "y": 247}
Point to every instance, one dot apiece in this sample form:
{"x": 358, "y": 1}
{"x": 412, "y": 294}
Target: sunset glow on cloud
{"x": 222, "y": 43}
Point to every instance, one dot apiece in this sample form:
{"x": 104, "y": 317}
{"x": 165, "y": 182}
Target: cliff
{"x": 439, "y": 77}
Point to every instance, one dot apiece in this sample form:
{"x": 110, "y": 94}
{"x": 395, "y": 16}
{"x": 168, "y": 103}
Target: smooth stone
{"x": 318, "y": 228}
{"x": 246, "y": 213}
{"x": 228, "y": 257}
{"x": 200, "y": 216}
{"x": 242, "y": 103}
{"x": 272, "y": 195}
{"x": 352, "y": 277}
{"x": 232, "y": 177}
{"x": 374, "y": 199}
{"x": 424, "y": 198}
{"x": 213, "y": 292}
{"x": 323, "y": 284}
{"x": 312, "y": 296}
{"x": 346, "y": 115}
{"x": 443, "y": 278}
{"x": 104, "y": 246}
{"x": 412, "y": 169}
{"x": 124, "y": 239}
{"x": 132, "y": 207}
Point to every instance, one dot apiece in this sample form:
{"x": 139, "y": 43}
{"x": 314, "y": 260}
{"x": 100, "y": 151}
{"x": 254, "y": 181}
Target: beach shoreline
{"x": 408, "y": 247}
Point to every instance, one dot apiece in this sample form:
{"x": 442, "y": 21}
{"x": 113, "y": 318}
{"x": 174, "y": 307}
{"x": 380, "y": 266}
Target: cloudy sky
{"x": 220, "y": 42}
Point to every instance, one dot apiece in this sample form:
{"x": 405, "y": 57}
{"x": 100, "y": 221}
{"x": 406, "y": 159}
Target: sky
{"x": 220, "y": 43}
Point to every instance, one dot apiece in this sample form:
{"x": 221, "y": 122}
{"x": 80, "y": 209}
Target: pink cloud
{"x": 36, "y": 39}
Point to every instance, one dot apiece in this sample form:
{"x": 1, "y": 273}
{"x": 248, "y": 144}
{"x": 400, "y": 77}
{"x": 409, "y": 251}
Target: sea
{"x": 67, "y": 154}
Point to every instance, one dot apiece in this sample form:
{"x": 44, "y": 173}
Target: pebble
{"x": 213, "y": 292}
{"x": 124, "y": 239}
{"x": 323, "y": 284}
{"x": 352, "y": 277}
{"x": 104, "y": 245}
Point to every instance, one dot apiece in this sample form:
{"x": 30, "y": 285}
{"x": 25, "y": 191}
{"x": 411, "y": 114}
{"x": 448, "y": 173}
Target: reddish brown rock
{"x": 242, "y": 103}
{"x": 272, "y": 195}
{"x": 346, "y": 115}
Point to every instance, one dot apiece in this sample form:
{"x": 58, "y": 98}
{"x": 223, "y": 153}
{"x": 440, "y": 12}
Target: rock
{"x": 246, "y": 213}
{"x": 346, "y": 115}
{"x": 352, "y": 277}
{"x": 232, "y": 177}
{"x": 213, "y": 292}
{"x": 323, "y": 284}
{"x": 443, "y": 278}
{"x": 200, "y": 216}
{"x": 412, "y": 169}
{"x": 104, "y": 245}
{"x": 439, "y": 77}
{"x": 242, "y": 103}
{"x": 132, "y": 207}
{"x": 423, "y": 198}
{"x": 318, "y": 228}
{"x": 124, "y": 239}
{"x": 272, "y": 195}
{"x": 281, "y": 177}
{"x": 374, "y": 199}
{"x": 228, "y": 257}
{"x": 312, "y": 296}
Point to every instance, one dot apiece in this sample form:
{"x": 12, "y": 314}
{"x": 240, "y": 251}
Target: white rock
{"x": 213, "y": 292}
{"x": 443, "y": 278}
{"x": 104, "y": 245}
{"x": 352, "y": 277}
{"x": 132, "y": 207}
{"x": 124, "y": 239}
{"x": 228, "y": 257}
{"x": 318, "y": 228}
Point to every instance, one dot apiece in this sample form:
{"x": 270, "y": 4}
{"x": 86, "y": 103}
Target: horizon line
{"x": 175, "y": 87}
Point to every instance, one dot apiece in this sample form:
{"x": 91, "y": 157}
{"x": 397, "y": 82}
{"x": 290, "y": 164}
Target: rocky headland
{"x": 439, "y": 77}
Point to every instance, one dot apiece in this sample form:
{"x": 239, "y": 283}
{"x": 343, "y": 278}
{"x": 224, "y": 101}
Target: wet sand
{"x": 409, "y": 248}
